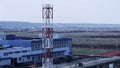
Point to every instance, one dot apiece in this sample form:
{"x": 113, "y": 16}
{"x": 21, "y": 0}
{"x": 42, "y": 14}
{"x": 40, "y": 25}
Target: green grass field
{"x": 88, "y": 51}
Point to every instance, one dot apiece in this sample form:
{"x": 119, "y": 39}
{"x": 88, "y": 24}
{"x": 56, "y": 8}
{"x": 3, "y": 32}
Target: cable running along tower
{"x": 47, "y": 36}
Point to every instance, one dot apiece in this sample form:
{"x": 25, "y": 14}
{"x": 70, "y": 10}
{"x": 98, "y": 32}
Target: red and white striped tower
{"x": 47, "y": 36}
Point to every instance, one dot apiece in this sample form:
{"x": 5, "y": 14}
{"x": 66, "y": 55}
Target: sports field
{"x": 88, "y": 51}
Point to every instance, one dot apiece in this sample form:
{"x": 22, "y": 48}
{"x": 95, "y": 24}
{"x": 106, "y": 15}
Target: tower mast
{"x": 47, "y": 36}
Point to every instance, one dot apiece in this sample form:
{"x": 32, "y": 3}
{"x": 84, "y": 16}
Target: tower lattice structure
{"x": 47, "y": 36}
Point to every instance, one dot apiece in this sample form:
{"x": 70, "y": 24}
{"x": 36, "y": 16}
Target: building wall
{"x": 5, "y": 62}
{"x": 14, "y": 52}
{"x": 31, "y": 50}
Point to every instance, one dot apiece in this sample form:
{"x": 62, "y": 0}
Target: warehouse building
{"x": 15, "y": 50}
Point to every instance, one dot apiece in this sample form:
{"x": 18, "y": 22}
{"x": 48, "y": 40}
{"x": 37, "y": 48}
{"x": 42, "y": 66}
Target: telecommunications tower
{"x": 47, "y": 36}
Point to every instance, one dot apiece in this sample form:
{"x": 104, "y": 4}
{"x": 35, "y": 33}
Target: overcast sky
{"x": 65, "y": 11}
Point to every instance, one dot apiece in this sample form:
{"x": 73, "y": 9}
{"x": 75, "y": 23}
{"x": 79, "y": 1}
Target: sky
{"x": 65, "y": 11}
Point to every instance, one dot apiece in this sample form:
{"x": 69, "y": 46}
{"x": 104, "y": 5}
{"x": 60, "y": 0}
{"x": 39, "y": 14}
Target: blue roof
{"x": 57, "y": 39}
{"x": 27, "y": 43}
{"x": 24, "y": 43}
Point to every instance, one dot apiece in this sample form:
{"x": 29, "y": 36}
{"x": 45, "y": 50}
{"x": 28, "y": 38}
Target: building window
{"x": 33, "y": 58}
{"x": 33, "y": 46}
{"x": 5, "y": 54}
{"x": 24, "y": 51}
{"x": 38, "y": 45}
{"x": 10, "y": 52}
{"x": 41, "y": 45}
{"x": 55, "y": 54}
{"x": 17, "y": 52}
{"x": 62, "y": 44}
{"x": 54, "y": 44}
{"x": 66, "y": 43}
{"x": 39, "y": 57}
{"x": 59, "y": 43}
{"x": 28, "y": 57}
{"x": 20, "y": 58}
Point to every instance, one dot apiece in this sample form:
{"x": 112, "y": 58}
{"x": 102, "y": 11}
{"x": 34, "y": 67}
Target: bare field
{"x": 94, "y": 40}
{"x": 104, "y": 40}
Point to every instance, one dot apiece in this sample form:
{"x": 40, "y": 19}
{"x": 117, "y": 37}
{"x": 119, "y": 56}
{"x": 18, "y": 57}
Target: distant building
{"x": 16, "y": 50}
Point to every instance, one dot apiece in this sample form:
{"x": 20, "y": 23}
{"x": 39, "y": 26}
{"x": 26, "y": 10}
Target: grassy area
{"x": 88, "y": 51}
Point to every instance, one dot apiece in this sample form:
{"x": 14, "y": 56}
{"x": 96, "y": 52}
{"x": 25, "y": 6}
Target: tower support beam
{"x": 47, "y": 36}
